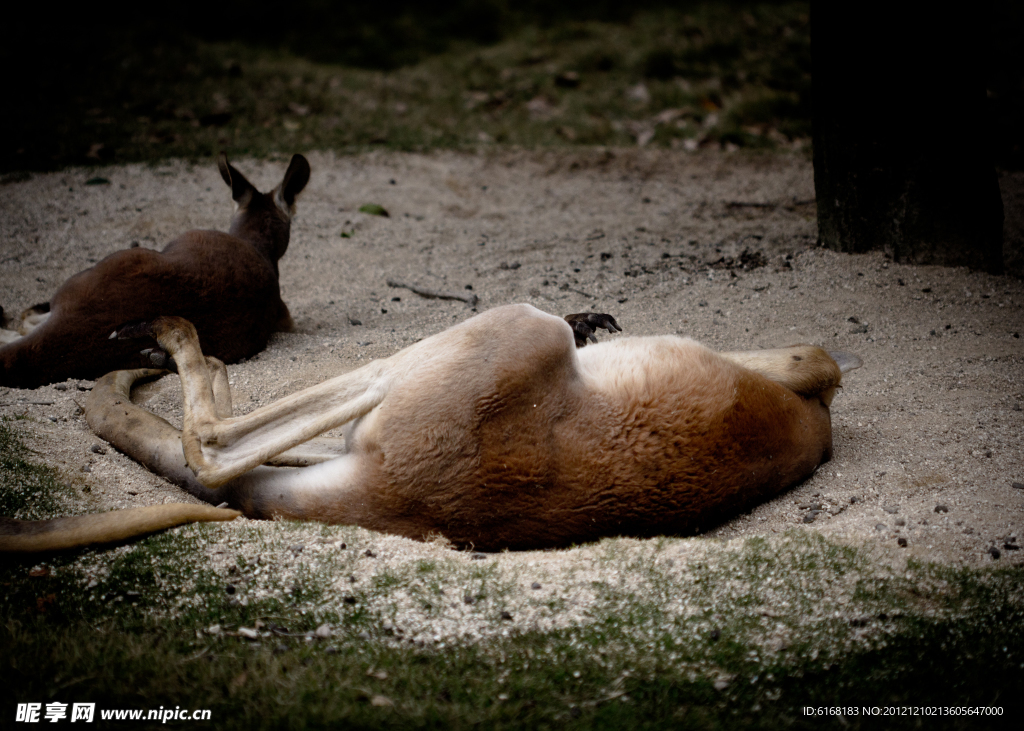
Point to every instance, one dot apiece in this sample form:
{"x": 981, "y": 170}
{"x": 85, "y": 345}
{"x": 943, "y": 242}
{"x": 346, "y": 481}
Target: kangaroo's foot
{"x": 151, "y": 357}
{"x": 585, "y": 324}
{"x": 33, "y": 317}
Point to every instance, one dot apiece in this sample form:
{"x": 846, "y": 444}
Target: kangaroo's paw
{"x": 585, "y": 324}
{"x": 158, "y": 358}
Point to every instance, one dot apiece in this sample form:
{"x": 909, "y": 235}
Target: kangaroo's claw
{"x": 585, "y": 324}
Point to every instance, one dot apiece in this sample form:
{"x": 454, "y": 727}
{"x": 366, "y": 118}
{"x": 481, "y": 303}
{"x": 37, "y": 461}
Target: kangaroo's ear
{"x": 241, "y": 189}
{"x": 295, "y": 179}
{"x": 846, "y": 361}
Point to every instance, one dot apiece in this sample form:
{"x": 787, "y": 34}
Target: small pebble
{"x": 506, "y": 616}
{"x": 892, "y": 510}
{"x": 994, "y": 552}
{"x": 297, "y": 548}
{"x": 370, "y": 554}
{"x": 901, "y": 522}
{"x": 230, "y": 588}
{"x": 1018, "y": 485}
{"x": 97, "y": 449}
{"x": 941, "y": 509}
{"x": 535, "y": 585}
{"x": 469, "y": 599}
{"x": 902, "y": 542}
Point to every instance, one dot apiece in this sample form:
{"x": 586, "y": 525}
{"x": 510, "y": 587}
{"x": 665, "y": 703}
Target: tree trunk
{"x": 901, "y": 157}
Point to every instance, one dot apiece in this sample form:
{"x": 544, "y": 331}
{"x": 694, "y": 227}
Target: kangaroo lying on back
{"x": 224, "y": 283}
{"x": 496, "y": 433}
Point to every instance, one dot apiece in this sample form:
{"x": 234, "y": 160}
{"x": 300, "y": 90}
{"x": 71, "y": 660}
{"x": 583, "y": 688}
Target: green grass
{"x": 680, "y": 634}
{"x": 716, "y": 74}
{"x": 625, "y": 668}
{"x": 28, "y": 490}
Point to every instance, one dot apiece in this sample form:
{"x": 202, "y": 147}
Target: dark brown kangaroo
{"x": 225, "y": 283}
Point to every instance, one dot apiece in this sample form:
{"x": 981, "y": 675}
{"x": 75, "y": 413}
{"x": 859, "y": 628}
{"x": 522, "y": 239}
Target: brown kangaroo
{"x": 224, "y": 283}
{"x": 496, "y": 433}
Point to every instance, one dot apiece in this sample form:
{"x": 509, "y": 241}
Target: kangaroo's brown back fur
{"x": 225, "y": 283}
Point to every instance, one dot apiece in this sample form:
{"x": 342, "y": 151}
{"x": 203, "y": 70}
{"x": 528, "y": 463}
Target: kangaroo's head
{"x": 264, "y": 219}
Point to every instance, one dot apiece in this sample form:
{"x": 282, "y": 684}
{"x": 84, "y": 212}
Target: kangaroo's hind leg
{"x": 265, "y": 492}
{"x": 219, "y": 449}
{"x": 141, "y": 434}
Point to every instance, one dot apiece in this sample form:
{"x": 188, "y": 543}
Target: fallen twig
{"x": 470, "y": 299}
{"x": 566, "y": 288}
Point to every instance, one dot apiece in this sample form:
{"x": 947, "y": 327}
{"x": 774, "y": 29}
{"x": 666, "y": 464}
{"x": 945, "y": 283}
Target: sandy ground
{"x": 716, "y": 246}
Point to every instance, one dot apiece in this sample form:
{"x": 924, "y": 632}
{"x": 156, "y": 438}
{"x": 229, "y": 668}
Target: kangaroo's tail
{"x": 34, "y": 536}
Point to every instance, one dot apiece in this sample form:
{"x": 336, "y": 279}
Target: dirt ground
{"x": 717, "y": 246}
